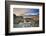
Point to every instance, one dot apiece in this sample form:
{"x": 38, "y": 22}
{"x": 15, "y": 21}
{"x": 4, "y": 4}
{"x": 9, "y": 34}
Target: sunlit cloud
{"x": 25, "y": 11}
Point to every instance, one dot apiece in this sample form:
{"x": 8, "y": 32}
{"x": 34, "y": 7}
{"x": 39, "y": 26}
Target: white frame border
{"x": 25, "y": 29}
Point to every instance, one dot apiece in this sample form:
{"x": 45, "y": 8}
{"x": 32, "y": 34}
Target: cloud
{"x": 25, "y": 11}
{"x": 32, "y": 12}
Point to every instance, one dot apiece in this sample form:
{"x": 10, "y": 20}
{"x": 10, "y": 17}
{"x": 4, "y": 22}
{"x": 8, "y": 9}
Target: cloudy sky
{"x": 25, "y": 11}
